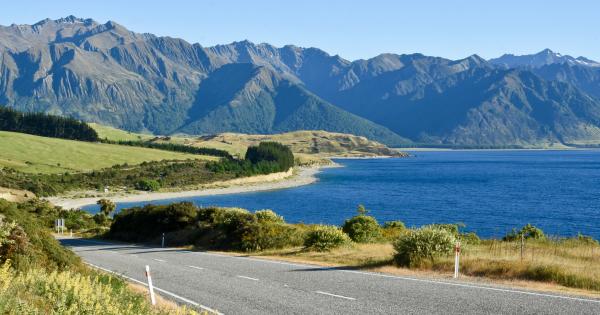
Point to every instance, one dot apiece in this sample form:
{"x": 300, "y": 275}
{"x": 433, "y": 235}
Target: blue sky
{"x": 353, "y": 29}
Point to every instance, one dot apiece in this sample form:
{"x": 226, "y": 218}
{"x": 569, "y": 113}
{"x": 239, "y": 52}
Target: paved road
{"x": 241, "y": 285}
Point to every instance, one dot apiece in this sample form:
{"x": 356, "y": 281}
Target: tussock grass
{"x": 570, "y": 263}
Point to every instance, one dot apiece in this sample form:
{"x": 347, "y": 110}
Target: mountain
{"x": 105, "y": 73}
{"x": 258, "y": 100}
{"x": 543, "y": 58}
{"x": 140, "y": 82}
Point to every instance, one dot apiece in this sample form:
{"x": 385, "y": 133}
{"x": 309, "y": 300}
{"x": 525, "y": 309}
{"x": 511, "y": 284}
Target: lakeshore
{"x": 293, "y": 178}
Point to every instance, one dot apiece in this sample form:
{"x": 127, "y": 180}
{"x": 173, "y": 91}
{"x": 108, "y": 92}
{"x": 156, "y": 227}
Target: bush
{"x": 421, "y": 244}
{"x": 106, "y": 206}
{"x": 470, "y": 238}
{"x": 527, "y": 232}
{"x": 147, "y": 185}
{"x": 35, "y": 246}
{"x": 268, "y": 215}
{"x": 268, "y": 235}
{"x": 392, "y": 230}
{"x": 394, "y": 225}
{"x": 149, "y": 222}
{"x": 450, "y": 227}
{"x": 39, "y": 291}
{"x": 324, "y": 238}
{"x": 362, "y": 229}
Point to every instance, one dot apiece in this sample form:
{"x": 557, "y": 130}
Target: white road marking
{"x": 244, "y": 277}
{"x": 194, "y": 267}
{"x": 181, "y": 298}
{"x": 335, "y": 295}
{"x": 466, "y": 285}
{"x": 458, "y": 284}
{"x": 159, "y": 260}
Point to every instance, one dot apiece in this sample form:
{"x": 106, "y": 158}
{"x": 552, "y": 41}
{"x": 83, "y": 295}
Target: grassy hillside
{"x": 34, "y": 154}
{"x": 318, "y": 143}
{"x": 114, "y": 134}
{"x": 310, "y": 146}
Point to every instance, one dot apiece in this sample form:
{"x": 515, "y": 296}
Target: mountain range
{"x": 141, "y": 82}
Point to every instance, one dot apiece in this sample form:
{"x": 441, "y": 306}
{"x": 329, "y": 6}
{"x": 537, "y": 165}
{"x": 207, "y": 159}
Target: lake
{"x": 490, "y": 192}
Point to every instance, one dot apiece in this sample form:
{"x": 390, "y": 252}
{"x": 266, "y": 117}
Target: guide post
{"x": 456, "y": 259}
{"x": 150, "y": 286}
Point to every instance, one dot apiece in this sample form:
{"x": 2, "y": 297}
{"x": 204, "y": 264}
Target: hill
{"x": 34, "y": 154}
{"x": 319, "y": 144}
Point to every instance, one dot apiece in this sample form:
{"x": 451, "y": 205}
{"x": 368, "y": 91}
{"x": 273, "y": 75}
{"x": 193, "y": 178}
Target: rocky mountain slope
{"x": 105, "y": 73}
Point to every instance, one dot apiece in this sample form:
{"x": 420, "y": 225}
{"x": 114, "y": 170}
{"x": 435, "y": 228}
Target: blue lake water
{"x": 489, "y": 191}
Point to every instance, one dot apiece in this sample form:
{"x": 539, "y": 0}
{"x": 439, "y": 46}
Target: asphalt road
{"x": 243, "y": 285}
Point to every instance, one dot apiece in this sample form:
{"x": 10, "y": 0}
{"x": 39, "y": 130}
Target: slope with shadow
{"x": 257, "y": 100}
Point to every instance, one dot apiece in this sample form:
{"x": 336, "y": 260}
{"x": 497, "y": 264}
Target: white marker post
{"x": 162, "y": 243}
{"x": 150, "y": 286}
{"x": 456, "y": 259}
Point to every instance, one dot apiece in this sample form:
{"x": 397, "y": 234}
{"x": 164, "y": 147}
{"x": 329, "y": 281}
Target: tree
{"x": 106, "y": 206}
{"x": 362, "y": 210}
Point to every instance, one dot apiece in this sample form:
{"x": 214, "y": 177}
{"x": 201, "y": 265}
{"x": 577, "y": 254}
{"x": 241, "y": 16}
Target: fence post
{"x": 150, "y": 287}
{"x": 162, "y": 243}
{"x": 456, "y": 259}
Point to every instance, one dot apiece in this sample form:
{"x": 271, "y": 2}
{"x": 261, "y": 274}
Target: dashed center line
{"x": 195, "y": 267}
{"x": 244, "y": 277}
{"x": 335, "y": 295}
{"x": 159, "y": 260}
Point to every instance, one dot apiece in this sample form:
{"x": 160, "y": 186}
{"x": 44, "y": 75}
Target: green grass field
{"x": 35, "y": 154}
{"x": 114, "y": 134}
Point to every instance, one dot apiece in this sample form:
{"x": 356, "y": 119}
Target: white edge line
{"x": 335, "y": 295}
{"x": 195, "y": 267}
{"x": 188, "y": 301}
{"x": 466, "y": 285}
{"x": 159, "y": 260}
{"x": 249, "y": 278}
{"x": 473, "y": 286}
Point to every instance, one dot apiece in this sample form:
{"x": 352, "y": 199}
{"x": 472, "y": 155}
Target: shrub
{"x": 362, "y": 229}
{"x": 453, "y": 228}
{"x": 106, "y": 206}
{"x": 147, "y": 185}
{"x": 528, "y": 232}
{"x": 392, "y": 230}
{"x": 424, "y": 243}
{"x": 268, "y": 215}
{"x": 394, "y": 225}
{"x": 40, "y": 248}
{"x": 324, "y": 238}
{"x": 258, "y": 236}
{"x": 149, "y": 222}
{"x": 470, "y": 238}
{"x": 39, "y": 291}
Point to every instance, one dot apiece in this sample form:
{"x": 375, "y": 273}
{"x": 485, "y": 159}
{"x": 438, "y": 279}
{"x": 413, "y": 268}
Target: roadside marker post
{"x": 162, "y": 243}
{"x": 456, "y": 259}
{"x": 150, "y": 286}
{"x": 60, "y": 225}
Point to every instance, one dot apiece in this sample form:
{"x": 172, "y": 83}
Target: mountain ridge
{"x": 141, "y": 82}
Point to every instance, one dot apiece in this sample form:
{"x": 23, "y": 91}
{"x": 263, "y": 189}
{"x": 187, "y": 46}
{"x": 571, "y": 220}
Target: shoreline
{"x": 293, "y": 178}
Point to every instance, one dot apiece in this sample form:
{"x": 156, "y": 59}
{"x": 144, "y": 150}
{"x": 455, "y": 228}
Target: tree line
{"x": 266, "y": 158}
{"x": 172, "y": 147}
{"x": 41, "y": 124}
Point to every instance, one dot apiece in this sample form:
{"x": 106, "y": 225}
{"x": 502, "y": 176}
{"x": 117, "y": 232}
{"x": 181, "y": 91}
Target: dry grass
{"x": 569, "y": 266}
